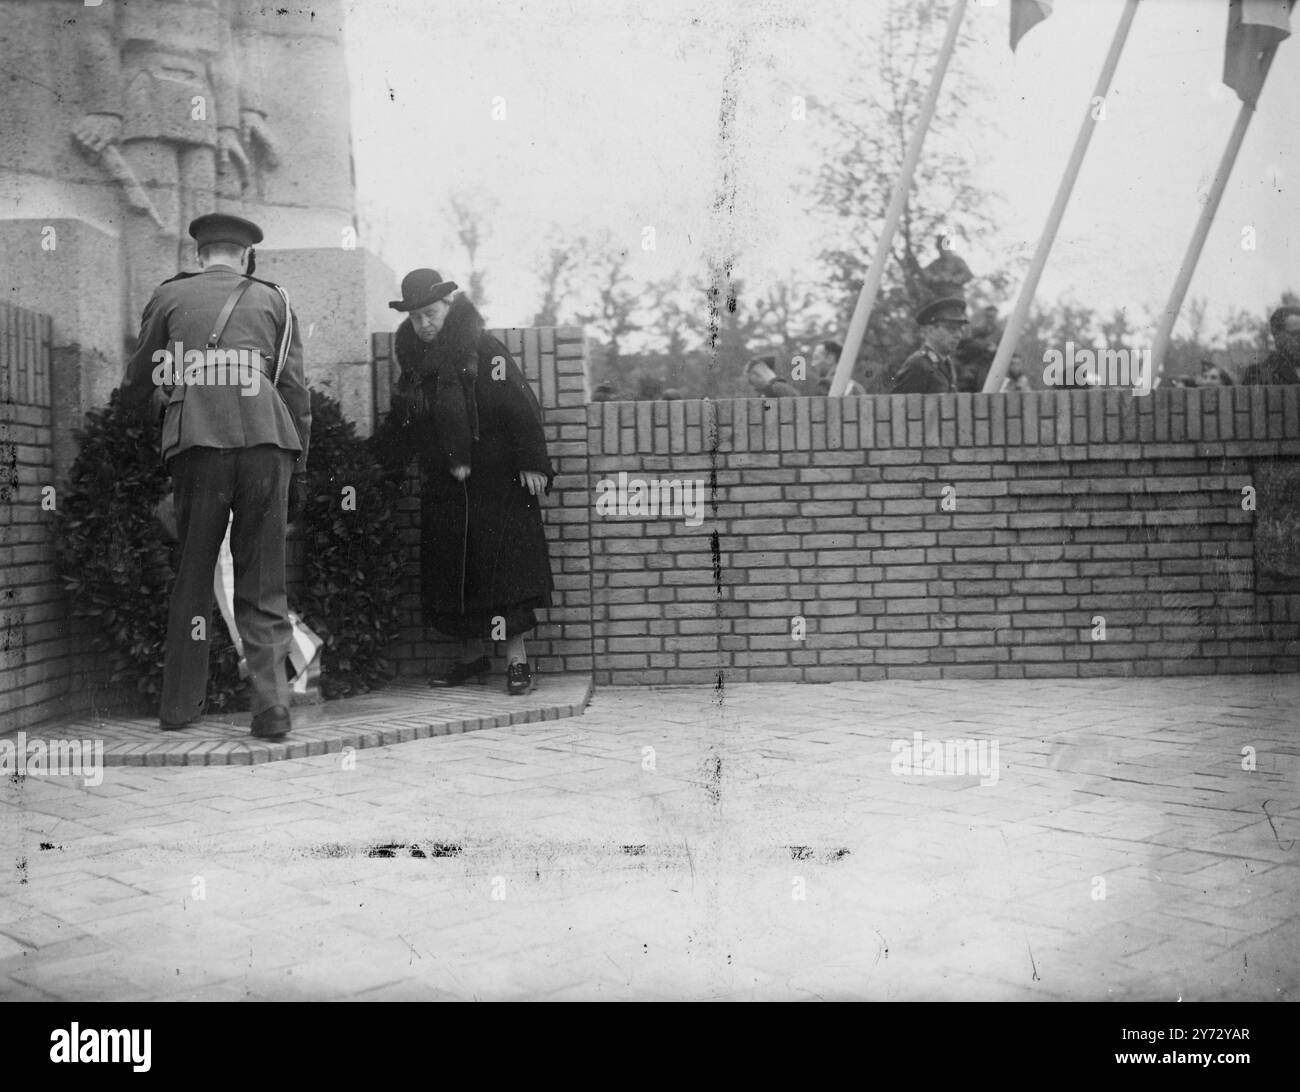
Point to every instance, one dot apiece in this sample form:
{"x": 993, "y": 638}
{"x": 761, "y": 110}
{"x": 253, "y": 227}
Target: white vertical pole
{"x": 1016, "y": 323}
{"x": 1165, "y": 331}
{"x": 894, "y": 214}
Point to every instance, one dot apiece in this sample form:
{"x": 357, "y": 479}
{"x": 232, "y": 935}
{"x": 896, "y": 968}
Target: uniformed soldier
{"x": 930, "y": 370}
{"x": 1282, "y": 365}
{"x": 235, "y": 431}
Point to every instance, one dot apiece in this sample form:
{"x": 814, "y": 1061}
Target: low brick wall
{"x": 1063, "y": 533}
{"x": 36, "y": 672}
{"x": 45, "y": 670}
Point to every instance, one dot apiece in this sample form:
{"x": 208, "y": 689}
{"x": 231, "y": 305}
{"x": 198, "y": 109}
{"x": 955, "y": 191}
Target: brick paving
{"x": 748, "y": 843}
{"x": 403, "y": 711}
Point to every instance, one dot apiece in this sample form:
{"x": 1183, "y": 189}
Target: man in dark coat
{"x": 222, "y": 350}
{"x": 930, "y": 370}
{"x": 1280, "y": 366}
{"x": 465, "y": 410}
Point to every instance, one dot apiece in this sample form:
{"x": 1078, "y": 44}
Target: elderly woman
{"x": 464, "y": 409}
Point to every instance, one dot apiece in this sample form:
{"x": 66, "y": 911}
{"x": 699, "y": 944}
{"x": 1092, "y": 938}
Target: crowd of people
{"x": 955, "y": 354}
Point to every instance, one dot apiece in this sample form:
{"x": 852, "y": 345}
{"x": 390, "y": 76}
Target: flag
{"x": 1025, "y": 15}
{"x": 1255, "y": 27}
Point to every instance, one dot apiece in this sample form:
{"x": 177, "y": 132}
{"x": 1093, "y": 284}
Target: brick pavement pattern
{"x": 402, "y": 711}
{"x": 748, "y": 842}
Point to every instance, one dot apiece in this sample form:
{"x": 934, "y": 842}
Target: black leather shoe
{"x": 462, "y": 673}
{"x": 177, "y": 725}
{"x": 272, "y": 723}
{"x": 519, "y": 679}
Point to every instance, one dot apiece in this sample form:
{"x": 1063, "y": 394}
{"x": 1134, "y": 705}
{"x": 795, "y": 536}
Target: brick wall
{"x": 1065, "y": 533}
{"x": 35, "y": 671}
{"x": 554, "y": 362}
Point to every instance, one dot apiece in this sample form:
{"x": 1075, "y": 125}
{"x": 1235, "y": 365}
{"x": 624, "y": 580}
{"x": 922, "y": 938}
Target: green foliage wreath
{"x": 352, "y": 559}
{"x": 117, "y": 567}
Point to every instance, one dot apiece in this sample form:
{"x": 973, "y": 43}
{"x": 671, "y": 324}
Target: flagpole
{"x": 894, "y": 214}
{"x": 1165, "y": 331}
{"x": 1015, "y": 324}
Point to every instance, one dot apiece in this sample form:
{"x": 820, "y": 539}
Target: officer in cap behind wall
{"x": 234, "y": 441}
{"x": 930, "y": 370}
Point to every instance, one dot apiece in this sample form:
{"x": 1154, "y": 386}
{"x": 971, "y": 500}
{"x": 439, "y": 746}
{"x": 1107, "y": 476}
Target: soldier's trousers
{"x": 209, "y": 484}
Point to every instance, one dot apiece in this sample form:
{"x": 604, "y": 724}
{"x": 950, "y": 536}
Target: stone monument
{"x": 122, "y": 120}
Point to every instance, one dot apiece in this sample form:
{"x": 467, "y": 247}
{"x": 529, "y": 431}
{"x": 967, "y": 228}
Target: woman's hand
{"x": 534, "y": 482}
{"x": 460, "y": 473}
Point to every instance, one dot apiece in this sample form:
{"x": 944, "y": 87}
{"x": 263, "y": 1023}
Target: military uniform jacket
{"x": 1275, "y": 369}
{"x": 214, "y": 410}
{"x": 924, "y": 372}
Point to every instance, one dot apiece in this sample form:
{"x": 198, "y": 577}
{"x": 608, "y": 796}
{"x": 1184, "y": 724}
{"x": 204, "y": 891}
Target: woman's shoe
{"x": 462, "y": 673}
{"x": 519, "y": 679}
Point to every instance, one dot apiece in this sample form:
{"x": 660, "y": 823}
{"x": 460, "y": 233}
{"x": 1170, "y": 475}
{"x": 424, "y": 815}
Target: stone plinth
{"x": 339, "y": 296}
{"x": 70, "y": 269}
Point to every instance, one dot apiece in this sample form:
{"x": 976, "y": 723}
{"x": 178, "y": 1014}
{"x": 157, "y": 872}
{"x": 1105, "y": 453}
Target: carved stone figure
{"x": 169, "y": 118}
{"x": 123, "y": 120}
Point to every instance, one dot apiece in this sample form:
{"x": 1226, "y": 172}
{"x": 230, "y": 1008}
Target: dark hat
{"x": 950, "y": 308}
{"x": 221, "y": 227}
{"x": 420, "y": 288}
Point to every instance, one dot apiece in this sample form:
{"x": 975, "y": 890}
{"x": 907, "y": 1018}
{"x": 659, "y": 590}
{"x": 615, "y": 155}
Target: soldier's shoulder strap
{"x": 263, "y": 280}
{"x": 286, "y": 333}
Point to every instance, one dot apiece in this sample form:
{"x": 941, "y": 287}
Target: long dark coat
{"x": 462, "y": 400}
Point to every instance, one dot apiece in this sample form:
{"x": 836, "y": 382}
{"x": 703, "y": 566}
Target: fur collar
{"x": 440, "y": 377}
{"x": 460, "y": 333}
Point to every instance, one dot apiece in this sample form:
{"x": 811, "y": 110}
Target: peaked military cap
{"x": 222, "y": 227}
{"x": 948, "y": 309}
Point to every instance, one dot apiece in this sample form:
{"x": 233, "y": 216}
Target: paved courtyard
{"x": 747, "y": 843}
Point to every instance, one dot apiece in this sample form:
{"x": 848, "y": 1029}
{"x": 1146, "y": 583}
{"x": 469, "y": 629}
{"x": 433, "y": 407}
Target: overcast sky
{"x": 612, "y": 121}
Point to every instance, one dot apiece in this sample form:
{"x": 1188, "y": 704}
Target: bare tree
{"x": 787, "y": 318}
{"x": 553, "y": 268}
{"x": 1196, "y": 316}
{"x": 671, "y": 319}
{"x": 867, "y": 133}
{"x": 603, "y": 294}
{"x": 1116, "y": 330}
{"x": 469, "y": 218}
